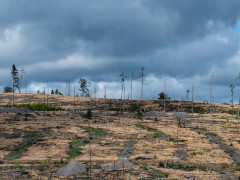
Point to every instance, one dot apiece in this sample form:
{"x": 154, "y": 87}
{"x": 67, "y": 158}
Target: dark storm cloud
{"x": 55, "y": 40}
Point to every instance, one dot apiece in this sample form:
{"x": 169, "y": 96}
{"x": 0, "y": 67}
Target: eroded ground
{"x": 37, "y": 146}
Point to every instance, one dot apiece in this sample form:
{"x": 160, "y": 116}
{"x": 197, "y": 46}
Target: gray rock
{"x": 120, "y": 164}
{"x": 181, "y": 115}
{"x": 155, "y": 114}
{"x": 73, "y": 168}
{"x": 22, "y": 110}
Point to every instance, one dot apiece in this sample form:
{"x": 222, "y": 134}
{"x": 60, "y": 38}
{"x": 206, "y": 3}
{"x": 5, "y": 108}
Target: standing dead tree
{"x": 238, "y": 83}
{"x": 187, "y": 94}
{"x": 238, "y": 80}
{"x": 165, "y": 91}
{"x": 104, "y": 106}
{"x": 15, "y": 81}
{"x": 122, "y": 81}
{"x": 232, "y": 93}
{"x": 68, "y": 88}
{"x": 21, "y": 80}
{"x": 44, "y": 100}
{"x": 132, "y": 83}
{"x": 211, "y": 94}
{"x": 74, "y": 104}
{"x": 192, "y": 98}
{"x": 142, "y": 79}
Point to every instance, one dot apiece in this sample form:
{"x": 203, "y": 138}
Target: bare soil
{"x": 121, "y": 145}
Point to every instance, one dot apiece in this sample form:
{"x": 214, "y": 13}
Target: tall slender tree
{"x": 15, "y": 78}
{"x": 141, "y": 76}
{"x": 238, "y": 83}
{"x": 132, "y": 83}
{"x": 232, "y": 93}
{"x": 187, "y": 94}
{"x": 15, "y": 81}
{"x": 122, "y": 81}
{"x": 21, "y": 80}
{"x": 84, "y": 87}
{"x": 211, "y": 94}
{"x": 192, "y": 98}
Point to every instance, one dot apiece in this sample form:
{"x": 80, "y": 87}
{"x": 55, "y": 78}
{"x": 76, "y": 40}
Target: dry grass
{"x": 58, "y": 129}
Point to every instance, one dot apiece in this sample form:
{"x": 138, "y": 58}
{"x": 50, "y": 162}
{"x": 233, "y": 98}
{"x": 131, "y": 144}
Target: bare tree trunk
{"x": 122, "y": 91}
{"x": 44, "y": 100}
{"x": 47, "y": 101}
{"x": 192, "y": 99}
{"x": 131, "y": 83}
{"x": 177, "y": 136}
{"x": 74, "y": 104}
{"x": 90, "y": 153}
{"x": 178, "y": 120}
{"x": 13, "y": 93}
{"x": 232, "y": 106}
{"x": 26, "y": 85}
{"x": 165, "y": 89}
{"x": 238, "y": 121}
{"x": 123, "y": 111}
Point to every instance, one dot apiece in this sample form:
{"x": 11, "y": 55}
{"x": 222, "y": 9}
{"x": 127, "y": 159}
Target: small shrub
{"x": 88, "y": 114}
{"x": 175, "y": 140}
{"x": 37, "y": 107}
{"x": 97, "y": 131}
{"x": 74, "y": 147}
{"x": 134, "y": 107}
{"x": 138, "y": 114}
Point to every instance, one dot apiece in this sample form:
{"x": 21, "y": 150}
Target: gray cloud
{"x": 58, "y": 40}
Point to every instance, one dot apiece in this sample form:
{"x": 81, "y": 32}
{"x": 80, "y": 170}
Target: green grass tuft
{"x": 74, "y": 147}
{"x": 37, "y": 107}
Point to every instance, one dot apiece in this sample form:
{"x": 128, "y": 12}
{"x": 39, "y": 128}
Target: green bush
{"x": 88, "y": 114}
{"x": 37, "y": 106}
{"x": 138, "y": 114}
{"x": 97, "y": 131}
{"x": 74, "y": 147}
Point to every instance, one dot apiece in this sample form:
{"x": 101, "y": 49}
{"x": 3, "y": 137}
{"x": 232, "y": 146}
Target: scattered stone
{"x": 128, "y": 146}
{"x": 120, "y": 164}
{"x": 181, "y": 115}
{"x": 156, "y": 114}
{"x": 73, "y": 168}
{"x": 21, "y": 110}
{"x": 181, "y": 154}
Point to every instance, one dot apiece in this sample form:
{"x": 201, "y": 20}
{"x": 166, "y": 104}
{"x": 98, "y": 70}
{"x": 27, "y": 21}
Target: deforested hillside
{"x": 58, "y": 137}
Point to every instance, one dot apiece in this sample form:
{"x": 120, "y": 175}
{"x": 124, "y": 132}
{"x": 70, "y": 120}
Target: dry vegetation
{"x": 37, "y": 144}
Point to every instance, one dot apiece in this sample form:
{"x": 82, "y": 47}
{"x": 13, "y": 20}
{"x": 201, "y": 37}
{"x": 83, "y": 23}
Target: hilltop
{"x": 125, "y": 138}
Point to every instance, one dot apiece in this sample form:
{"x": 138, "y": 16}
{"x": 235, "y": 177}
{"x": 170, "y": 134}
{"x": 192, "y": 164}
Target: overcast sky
{"x": 182, "y": 41}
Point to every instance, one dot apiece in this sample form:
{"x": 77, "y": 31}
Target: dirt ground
{"x": 201, "y": 146}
